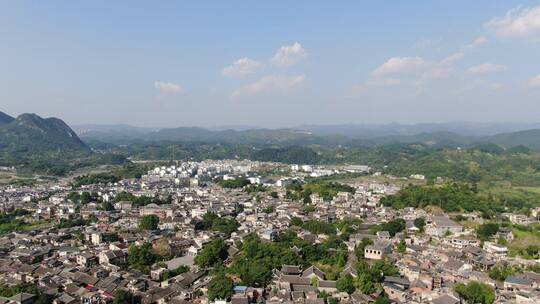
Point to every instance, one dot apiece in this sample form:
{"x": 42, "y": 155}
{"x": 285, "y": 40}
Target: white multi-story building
{"x": 495, "y": 250}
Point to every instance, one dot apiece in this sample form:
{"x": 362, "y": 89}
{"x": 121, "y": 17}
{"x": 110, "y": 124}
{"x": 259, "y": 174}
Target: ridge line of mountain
{"x": 31, "y": 133}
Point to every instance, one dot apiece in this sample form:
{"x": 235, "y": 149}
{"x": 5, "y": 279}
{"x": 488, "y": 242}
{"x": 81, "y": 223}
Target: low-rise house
{"x": 97, "y": 238}
{"x": 483, "y": 263}
{"x": 396, "y": 288}
{"x": 495, "y": 250}
{"x": 20, "y": 298}
{"x": 505, "y": 233}
{"x": 162, "y": 211}
{"x": 87, "y": 259}
{"x": 296, "y": 284}
{"x": 383, "y": 235}
{"x": 457, "y": 268}
{"x": 446, "y": 299}
{"x": 441, "y": 225}
{"x": 269, "y": 234}
{"x": 527, "y": 297}
{"x": 114, "y": 257}
{"x": 378, "y": 250}
{"x": 518, "y": 283}
{"x": 461, "y": 242}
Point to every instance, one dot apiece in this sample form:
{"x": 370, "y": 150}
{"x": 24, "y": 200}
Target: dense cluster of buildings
{"x": 87, "y": 263}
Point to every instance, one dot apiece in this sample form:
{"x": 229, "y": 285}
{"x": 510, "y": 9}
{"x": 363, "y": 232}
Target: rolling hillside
{"x": 30, "y": 136}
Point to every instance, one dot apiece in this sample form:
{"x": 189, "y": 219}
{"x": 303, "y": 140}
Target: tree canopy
{"x": 149, "y": 222}
{"x": 141, "y": 257}
{"x": 220, "y": 287}
{"x": 476, "y": 292}
{"x": 212, "y": 253}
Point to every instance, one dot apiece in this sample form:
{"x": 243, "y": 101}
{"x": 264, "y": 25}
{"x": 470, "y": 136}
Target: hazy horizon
{"x": 299, "y": 125}
{"x": 237, "y": 63}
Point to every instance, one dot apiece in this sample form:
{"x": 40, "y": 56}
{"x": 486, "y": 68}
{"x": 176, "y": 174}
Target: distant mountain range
{"x": 446, "y": 134}
{"x": 125, "y": 134}
{"x": 464, "y": 128}
{"x": 30, "y": 136}
{"x": 528, "y": 138}
{"x": 112, "y": 133}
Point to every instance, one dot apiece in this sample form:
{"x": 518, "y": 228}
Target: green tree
{"x": 382, "y": 300}
{"x": 531, "y": 252}
{"x": 220, "y": 287}
{"x": 345, "y": 284}
{"x": 124, "y": 196}
{"x": 268, "y": 210}
{"x": 333, "y": 301}
{"x": 420, "y": 223}
{"x": 85, "y": 198}
{"x": 124, "y": 297}
{"x": 392, "y": 227}
{"x": 107, "y": 206}
{"x": 500, "y": 272}
{"x": 295, "y": 221}
{"x": 257, "y": 260}
{"x": 401, "y": 247}
{"x": 234, "y": 183}
{"x": 309, "y": 208}
{"x": 383, "y": 268}
{"x": 212, "y": 253}
{"x": 319, "y": 227}
{"x": 149, "y": 222}
{"x": 487, "y": 230}
{"x": 476, "y": 292}
{"x": 211, "y": 221}
{"x": 365, "y": 283}
{"x": 141, "y": 257}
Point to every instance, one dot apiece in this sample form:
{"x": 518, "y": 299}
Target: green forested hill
{"x": 30, "y": 136}
{"x": 518, "y": 166}
{"x": 527, "y": 138}
{"x": 30, "y": 139}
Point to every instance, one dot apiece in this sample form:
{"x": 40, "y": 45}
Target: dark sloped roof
{"x": 313, "y": 270}
{"x": 446, "y": 299}
{"x": 22, "y": 297}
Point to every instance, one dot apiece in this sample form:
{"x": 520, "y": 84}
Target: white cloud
{"x": 476, "y": 43}
{"x": 517, "y": 22}
{"x": 289, "y": 55}
{"x": 443, "y": 68}
{"x": 412, "y": 70}
{"x": 168, "y": 87}
{"x": 242, "y": 67}
{"x": 452, "y": 59}
{"x": 272, "y": 83}
{"x": 486, "y": 68}
{"x": 400, "y": 65}
{"x": 534, "y": 82}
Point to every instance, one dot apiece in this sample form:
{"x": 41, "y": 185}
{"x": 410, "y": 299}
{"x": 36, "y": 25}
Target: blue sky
{"x": 273, "y": 63}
